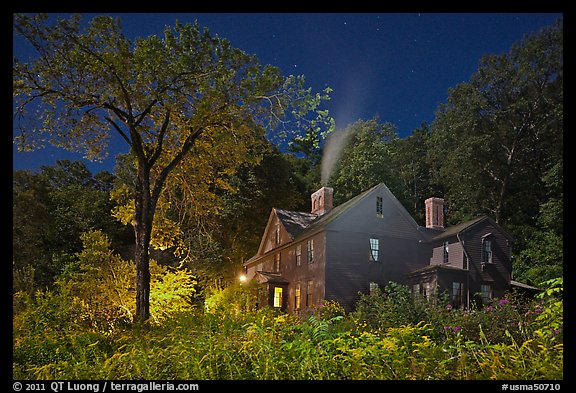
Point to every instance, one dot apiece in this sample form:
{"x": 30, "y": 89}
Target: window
{"x": 277, "y": 297}
{"x": 277, "y": 263}
{"x": 310, "y": 250}
{"x": 379, "y": 209}
{"x": 457, "y": 293}
{"x": 297, "y": 297}
{"x": 373, "y": 288}
{"x": 298, "y": 255}
{"x": 277, "y": 234}
{"x": 374, "y": 250}
{"x": 446, "y": 251}
{"x": 309, "y": 288}
{"x": 485, "y": 293}
{"x": 486, "y": 251}
{"x": 425, "y": 290}
{"x": 415, "y": 289}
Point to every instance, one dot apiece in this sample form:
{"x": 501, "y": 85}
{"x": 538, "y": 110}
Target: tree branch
{"x": 158, "y": 149}
{"x": 122, "y": 134}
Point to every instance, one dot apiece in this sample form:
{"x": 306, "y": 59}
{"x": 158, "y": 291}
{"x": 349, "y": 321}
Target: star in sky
{"x": 412, "y": 61}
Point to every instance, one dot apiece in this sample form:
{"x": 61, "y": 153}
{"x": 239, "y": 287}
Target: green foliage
{"x": 51, "y": 209}
{"x": 508, "y": 339}
{"x": 365, "y": 160}
{"x": 392, "y": 306}
{"x": 234, "y": 299}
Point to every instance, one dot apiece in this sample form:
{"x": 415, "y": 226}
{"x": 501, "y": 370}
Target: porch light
{"x": 242, "y": 278}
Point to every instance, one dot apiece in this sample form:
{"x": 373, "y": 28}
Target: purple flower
{"x": 503, "y": 302}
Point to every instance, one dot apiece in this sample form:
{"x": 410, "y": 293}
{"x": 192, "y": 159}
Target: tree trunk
{"x": 143, "y": 218}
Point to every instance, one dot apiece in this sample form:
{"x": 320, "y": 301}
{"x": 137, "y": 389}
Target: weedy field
{"x": 390, "y": 336}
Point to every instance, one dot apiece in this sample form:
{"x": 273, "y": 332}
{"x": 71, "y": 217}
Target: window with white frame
{"x": 310, "y": 250}
{"x": 374, "y": 250}
{"x": 445, "y": 252}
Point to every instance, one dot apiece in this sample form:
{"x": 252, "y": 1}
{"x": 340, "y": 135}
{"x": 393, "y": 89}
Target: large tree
{"x": 170, "y": 99}
{"x": 499, "y": 133}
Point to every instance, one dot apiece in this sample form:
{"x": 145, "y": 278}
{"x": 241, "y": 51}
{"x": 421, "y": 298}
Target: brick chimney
{"x": 434, "y": 213}
{"x": 322, "y": 201}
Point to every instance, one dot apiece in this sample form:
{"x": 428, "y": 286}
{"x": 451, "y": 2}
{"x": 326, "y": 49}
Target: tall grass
{"x": 242, "y": 343}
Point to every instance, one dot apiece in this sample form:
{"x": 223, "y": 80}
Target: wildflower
{"x": 503, "y": 302}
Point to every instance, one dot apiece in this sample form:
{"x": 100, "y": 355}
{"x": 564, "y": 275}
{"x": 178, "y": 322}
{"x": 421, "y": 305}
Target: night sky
{"x": 396, "y": 66}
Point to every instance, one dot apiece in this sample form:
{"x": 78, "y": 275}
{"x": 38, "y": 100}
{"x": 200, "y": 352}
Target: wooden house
{"x": 369, "y": 241}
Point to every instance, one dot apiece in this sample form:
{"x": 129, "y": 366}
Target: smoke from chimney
{"x": 333, "y": 147}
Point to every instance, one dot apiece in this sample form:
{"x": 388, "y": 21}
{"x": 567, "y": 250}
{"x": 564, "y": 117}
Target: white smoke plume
{"x": 333, "y": 147}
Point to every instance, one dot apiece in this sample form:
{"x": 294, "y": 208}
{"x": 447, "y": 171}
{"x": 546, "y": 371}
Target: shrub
{"x": 391, "y": 307}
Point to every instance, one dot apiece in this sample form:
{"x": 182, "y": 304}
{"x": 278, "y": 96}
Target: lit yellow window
{"x": 277, "y": 297}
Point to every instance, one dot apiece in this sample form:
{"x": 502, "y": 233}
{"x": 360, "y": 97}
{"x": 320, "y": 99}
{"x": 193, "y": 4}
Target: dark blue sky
{"x": 394, "y": 65}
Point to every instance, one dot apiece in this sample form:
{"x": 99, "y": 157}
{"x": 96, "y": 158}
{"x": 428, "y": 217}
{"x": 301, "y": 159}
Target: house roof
{"x": 273, "y": 278}
{"x": 435, "y": 267}
{"x": 460, "y": 228}
{"x": 322, "y": 221}
{"x": 523, "y": 286}
{"x": 294, "y": 222}
{"x": 456, "y": 229}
